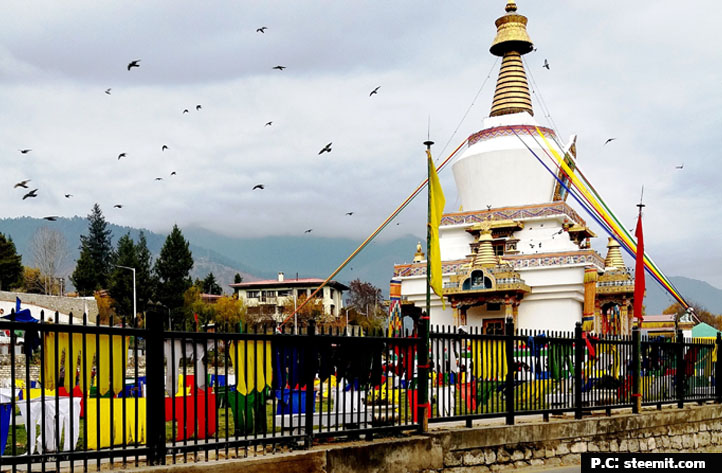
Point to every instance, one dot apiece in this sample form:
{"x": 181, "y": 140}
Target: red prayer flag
{"x": 639, "y": 271}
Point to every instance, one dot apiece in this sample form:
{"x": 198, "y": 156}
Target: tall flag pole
{"x": 639, "y": 267}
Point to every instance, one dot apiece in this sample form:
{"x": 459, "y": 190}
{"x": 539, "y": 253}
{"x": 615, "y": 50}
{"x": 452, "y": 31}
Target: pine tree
{"x": 11, "y": 266}
{"x": 237, "y": 279}
{"x": 145, "y": 282}
{"x": 93, "y": 266}
{"x": 172, "y": 270}
{"x": 120, "y": 280}
{"x": 210, "y": 286}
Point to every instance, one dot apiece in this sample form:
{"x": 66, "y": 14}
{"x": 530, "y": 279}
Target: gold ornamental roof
{"x": 614, "y": 255}
{"x": 511, "y": 42}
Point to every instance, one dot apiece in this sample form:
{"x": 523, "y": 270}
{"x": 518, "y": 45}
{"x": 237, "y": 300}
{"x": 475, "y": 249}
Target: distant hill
{"x": 254, "y": 258}
{"x": 693, "y": 290}
{"x": 307, "y": 256}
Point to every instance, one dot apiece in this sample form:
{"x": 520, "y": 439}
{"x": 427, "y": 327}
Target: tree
{"x": 50, "y": 253}
{"x": 120, "y": 281}
{"x": 313, "y": 310}
{"x": 93, "y": 265}
{"x": 237, "y": 279}
{"x": 32, "y": 281}
{"x": 365, "y": 298}
{"x": 230, "y": 313}
{"x": 193, "y": 306}
{"x": 172, "y": 270}
{"x": 210, "y": 286}
{"x": 702, "y": 314}
{"x": 11, "y": 266}
{"x": 144, "y": 280}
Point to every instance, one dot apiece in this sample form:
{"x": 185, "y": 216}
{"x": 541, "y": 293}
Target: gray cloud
{"x": 641, "y": 73}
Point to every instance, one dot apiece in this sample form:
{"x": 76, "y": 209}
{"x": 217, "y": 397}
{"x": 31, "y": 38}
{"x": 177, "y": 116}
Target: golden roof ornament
{"x": 511, "y": 42}
{"x": 419, "y": 256}
{"x": 484, "y": 255}
{"x": 614, "y": 255}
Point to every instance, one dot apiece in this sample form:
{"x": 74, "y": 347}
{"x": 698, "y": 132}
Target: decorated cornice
{"x": 513, "y": 213}
{"x": 509, "y": 130}
{"x": 538, "y": 260}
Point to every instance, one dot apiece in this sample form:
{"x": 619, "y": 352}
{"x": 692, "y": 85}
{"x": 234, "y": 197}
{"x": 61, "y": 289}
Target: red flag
{"x": 195, "y": 316}
{"x": 639, "y": 270}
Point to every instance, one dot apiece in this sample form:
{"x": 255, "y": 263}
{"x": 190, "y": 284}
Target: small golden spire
{"x": 484, "y": 256}
{"x": 511, "y": 42}
{"x": 614, "y": 255}
{"x": 419, "y": 256}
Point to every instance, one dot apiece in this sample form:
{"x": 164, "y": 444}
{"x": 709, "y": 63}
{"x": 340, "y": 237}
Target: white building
{"x": 269, "y": 296}
{"x": 518, "y": 249}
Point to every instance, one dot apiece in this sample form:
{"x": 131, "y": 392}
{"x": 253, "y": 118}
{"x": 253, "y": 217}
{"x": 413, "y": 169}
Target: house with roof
{"x": 268, "y": 297}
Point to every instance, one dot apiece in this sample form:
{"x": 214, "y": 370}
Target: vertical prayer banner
{"x": 639, "y": 270}
{"x": 436, "y": 210}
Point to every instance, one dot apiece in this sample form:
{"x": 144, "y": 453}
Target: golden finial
{"x": 419, "y": 256}
{"x": 511, "y": 42}
{"x": 614, "y": 255}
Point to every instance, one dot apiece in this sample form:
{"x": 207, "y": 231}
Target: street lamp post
{"x": 132, "y": 269}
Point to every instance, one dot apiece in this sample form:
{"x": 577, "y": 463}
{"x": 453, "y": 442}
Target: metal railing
{"x": 91, "y": 395}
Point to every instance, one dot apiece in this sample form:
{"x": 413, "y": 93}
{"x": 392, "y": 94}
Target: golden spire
{"x": 614, "y": 255}
{"x": 484, "y": 255}
{"x": 419, "y": 256}
{"x": 512, "y": 40}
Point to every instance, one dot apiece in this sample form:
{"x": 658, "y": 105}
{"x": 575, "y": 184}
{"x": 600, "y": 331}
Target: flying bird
{"x": 375, "y": 91}
{"x": 107, "y": 91}
{"x": 280, "y": 68}
{"x": 309, "y": 230}
{"x": 609, "y": 140}
{"x": 262, "y": 29}
{"x": 185, "y": 110}
{"x": 24, "y": 151}
{"x": 23, "y": 184}
{"x": 117, "y": 206}
{"x": 67, "y": 196}
{"x": 258, "y": 186}
{"x": 32, "y": 193}
{"x": 326, "y": 149}
{"x": 349, "y": 213}
{"x": 51, "y": 218}
{"x": 546, "y": 64}
{"x": 133, "y": 64}
{"x": 121, "y": 155}
{"x": 158, "y": 178}
{"x": 198, "y": 107}
{"x": 172, "y": 173}
{"x": 164, "y": 147}
{"x": 269, "y": 123}
{"x": 681, "y": 166}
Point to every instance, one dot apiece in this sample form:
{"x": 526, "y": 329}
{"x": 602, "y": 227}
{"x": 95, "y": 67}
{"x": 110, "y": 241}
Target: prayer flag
{"x": 639, "y": 271}
{"x": 436, "y": 209}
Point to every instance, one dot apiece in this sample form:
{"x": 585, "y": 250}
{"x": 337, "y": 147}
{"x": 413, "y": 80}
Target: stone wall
{"x": 64, "y": 305}
{"x": 493, "y": 448}
{"x": 694, "y": 428}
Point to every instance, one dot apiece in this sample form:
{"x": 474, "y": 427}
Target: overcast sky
{"x": 645, "y": 73}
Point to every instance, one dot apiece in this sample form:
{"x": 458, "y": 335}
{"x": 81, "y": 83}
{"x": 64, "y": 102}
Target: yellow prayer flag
{"x": 436, "y": 210}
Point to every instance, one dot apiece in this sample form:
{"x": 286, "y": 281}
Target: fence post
{"x": 310, "y": 359}
{"x": 679, "y": 375}
{"x": 578, "y": 361}
{"x": 510, "y": 369}
{"x": 422, "y": 391}
{"x": 718, "y": 370}
{"x": 636, "y": 368}
{"x": 155, "y": 403}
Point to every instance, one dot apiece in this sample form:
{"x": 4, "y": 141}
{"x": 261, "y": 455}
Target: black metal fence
{"x": 82, "y": 395}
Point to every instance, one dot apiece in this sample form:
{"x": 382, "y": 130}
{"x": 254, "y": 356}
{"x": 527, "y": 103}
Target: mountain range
{"x": 302, "y": 256}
